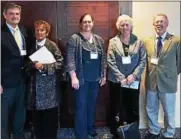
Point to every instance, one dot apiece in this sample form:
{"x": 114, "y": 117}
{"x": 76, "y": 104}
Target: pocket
{"x": 171, "y": 74}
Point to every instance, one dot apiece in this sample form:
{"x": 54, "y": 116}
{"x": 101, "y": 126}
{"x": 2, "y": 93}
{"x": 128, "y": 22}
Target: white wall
{"x": 142, "y": 14}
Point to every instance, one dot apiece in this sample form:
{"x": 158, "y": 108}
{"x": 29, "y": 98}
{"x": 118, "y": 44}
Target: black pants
{"x": 45, "y": 123}
{"x": 124, "y": 101}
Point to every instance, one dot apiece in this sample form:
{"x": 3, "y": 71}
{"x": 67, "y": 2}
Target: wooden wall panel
{"x": 99, "y": 11}
{"x": 36, "y": 10}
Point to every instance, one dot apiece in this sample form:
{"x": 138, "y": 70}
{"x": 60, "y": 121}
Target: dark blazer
{"x": 165, "y": 74}
{"x": 11, "y": 61}
{"x": 117, "y": 71}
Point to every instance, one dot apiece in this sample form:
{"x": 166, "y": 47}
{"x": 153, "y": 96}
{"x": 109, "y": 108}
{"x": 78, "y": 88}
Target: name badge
{"x": 154, "y": 61}
{"x": 23, "y": 52}
{"x": 126, "y": 60}
{"x": 93, "y": 55}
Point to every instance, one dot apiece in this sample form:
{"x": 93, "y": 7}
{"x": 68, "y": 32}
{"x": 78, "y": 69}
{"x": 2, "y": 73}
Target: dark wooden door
{"x": 64, "y": 19}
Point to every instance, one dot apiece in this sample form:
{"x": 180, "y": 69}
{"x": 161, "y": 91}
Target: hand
{"x": 102, "y": 81}
{"x": 123, "y": 82}
{"x": 1, "y": 90}
{"x": 39, "y": 66}
{"x": 75, "y": 83}
{"x": 130, "y": 79}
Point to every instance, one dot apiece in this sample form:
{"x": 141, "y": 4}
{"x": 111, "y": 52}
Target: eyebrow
{"x": 13, "y": 12}
{"x": 87, "y": 21}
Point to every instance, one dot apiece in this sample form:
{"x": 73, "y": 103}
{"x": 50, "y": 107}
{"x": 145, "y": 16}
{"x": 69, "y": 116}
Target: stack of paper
{"x": 133, "y": 85}
{"x": 43, "y": 55}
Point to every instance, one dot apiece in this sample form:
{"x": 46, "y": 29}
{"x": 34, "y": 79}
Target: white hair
{"x": 122, "y": 18}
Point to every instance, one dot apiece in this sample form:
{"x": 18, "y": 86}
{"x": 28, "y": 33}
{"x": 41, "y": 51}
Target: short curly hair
{"x": 45, "y": 25}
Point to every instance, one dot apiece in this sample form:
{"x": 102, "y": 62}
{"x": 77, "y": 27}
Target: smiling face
{"x": 125, "y": 27}
{"x": 160, "y": 24}
{"x": 12, "y": 16}
{"x": 87, "y": 23}
{"x": 40, "y": 32}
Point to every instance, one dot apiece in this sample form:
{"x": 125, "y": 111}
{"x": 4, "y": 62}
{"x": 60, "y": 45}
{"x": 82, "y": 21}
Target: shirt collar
{"x": 163, "y": 36}
{"x": 41, "y": 43}
{"x": 11, "y": 28}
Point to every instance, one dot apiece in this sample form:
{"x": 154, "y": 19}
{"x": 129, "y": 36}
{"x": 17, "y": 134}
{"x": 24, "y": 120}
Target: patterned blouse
{"x": 42, "y": 92}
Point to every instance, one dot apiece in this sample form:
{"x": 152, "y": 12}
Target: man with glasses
{"x": 163, "y": 67}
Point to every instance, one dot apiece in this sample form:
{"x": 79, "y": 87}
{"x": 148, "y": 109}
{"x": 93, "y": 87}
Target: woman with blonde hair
{"x": 126, "y": 61}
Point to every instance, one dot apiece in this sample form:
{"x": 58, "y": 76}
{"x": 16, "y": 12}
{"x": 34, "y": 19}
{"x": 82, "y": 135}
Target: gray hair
{"x": 161, "y": 14}
{"x": 11, "y": 6}
{"x": 122, "y": 18}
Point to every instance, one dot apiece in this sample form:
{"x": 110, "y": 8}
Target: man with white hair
{"x": 163, "y": 67}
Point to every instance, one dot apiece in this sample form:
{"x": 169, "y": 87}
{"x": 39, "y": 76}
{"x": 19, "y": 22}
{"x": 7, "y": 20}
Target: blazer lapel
{"x": 24, "y": 35}
{"x": 166, "y": 45}
{"x": 47, "y": 42}
{"x": 117, "y": 42}
{"x": 14, "y": 47}
{"x": 151, "y": 47}
{"x": 131, "y": 48}
{"x": 132, "y": 44}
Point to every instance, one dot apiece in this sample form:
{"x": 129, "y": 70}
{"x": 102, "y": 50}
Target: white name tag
{"x": 154, "y": 61}
{"x": 93, "y": 55}
{"x": 126, "y": 60}
{"x": 23, "y": 52}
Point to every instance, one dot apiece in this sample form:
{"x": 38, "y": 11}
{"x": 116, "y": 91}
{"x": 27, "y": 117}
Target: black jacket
{"x": 11, "y": 61}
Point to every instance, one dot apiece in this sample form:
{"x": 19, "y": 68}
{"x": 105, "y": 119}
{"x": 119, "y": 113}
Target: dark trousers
{"x": 13, "y": 112}
{"x": 124, "y": 101}
{"x": 45, "y": 123}
{"x": 85, "y": 103}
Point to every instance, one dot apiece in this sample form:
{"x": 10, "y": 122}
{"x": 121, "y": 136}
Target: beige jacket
{"x": 164, "y": 75}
